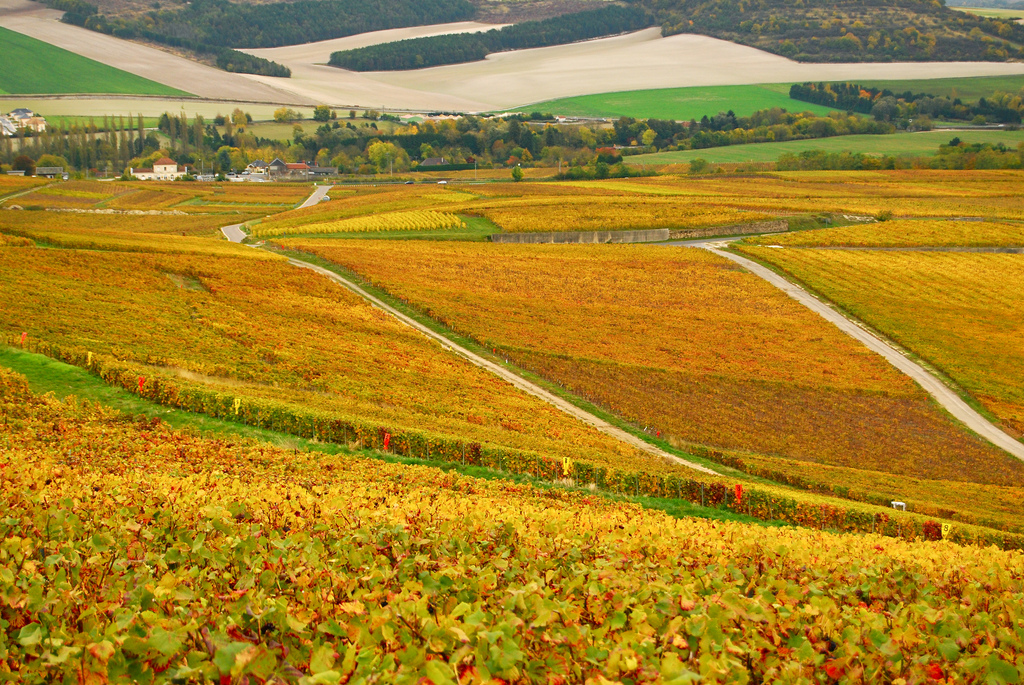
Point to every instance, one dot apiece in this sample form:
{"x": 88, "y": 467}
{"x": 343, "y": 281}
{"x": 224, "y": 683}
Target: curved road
{"x": 235, "y": 234}
{"x": 503, "y": 373}
{"x": 932, "y": 385}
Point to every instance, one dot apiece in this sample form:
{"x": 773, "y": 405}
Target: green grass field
{"x": 678, "y": 103}
{"x": 967, "y": 88}
{"x": 993, "y": 12}
{"x": 915, "y": 144}
{"x": 32, "y": 66}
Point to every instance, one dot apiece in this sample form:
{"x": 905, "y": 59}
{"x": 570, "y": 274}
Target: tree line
{"x": 214, "y": 27}
{"x": 369, "y": 144}
{"x": 883, "y": 104}
{"x": 953, "y": 155}
{"x": 430, "y": 51}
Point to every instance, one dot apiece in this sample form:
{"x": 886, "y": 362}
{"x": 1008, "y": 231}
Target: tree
{"x": 53, "y": 160}
{"x": 286, "y": 114}
{"x": 24, "y": 163}
{"x": 322, "y": 113}
{"x": 698, "y": 165}
{"x": 517, "y": 173}
{"x": 239, "y": 118}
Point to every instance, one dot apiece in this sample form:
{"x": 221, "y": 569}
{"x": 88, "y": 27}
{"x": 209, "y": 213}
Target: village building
{"x": 434, "y": 161}
{"x": 164, "y": 169}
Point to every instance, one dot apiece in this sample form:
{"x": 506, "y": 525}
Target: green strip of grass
{"x": 913, "y": 144}
{"x": 47, "y": 375}
{"x": 678, "y": 103}
{"x": 32, "y": 66}
{"x": 968, "y": 88}
{"x": 478, "y": 229}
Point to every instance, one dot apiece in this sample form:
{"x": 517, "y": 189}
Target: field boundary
{"x": 930, "y": 383}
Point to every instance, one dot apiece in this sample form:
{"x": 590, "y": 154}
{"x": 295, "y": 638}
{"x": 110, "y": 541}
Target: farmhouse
{"x": 286, "y": 170}
{"x": 164, "y": 169}
{"x": 433, "y": 161}
{"x": 257, "y": 167}
{"x": 49, "y": 171}
{"x": 27, "y": 119}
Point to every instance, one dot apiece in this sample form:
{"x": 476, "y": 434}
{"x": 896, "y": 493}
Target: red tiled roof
{"x": 300, "y": 165}
{"x": 163, "y": 161}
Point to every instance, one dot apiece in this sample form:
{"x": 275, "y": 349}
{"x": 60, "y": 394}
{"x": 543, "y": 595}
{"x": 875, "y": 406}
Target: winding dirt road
{"x": 932, "y": 385}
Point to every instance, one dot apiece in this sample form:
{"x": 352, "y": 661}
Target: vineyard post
{"x": 702, "y": 494}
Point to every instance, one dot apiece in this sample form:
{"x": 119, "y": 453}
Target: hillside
{"x": 845, "y": 30}
{"x": 189, "y": 559}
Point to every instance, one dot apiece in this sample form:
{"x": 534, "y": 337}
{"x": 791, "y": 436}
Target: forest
{"x": 845, "y": 30}
{"x": 432, "y": 51}
{"x": 1003, "y": 108}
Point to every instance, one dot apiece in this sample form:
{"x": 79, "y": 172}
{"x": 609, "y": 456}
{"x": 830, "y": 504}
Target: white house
{"x": 164, "y": 169}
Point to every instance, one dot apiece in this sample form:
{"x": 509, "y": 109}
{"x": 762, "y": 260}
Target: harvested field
{"x": 640, "y": 60}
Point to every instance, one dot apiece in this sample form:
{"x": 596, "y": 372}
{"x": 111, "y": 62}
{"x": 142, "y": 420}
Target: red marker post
{"x": 142, "y": 381}
{"x": 739, "y": 492}
{"x": 24, "y": 336}
{"x": 387, "y": 440}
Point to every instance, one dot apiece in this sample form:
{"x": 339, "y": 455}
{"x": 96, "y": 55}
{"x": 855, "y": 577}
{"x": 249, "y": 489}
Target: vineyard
{"x": 677, "y": 202}
{"x": 165, "y": 196}
{"x": 394, "y": 221}
{"x": 959, "y": 311}
{"x": 916, "y": 233}
{"x": 191, "y": 559}
{"x": 682, "y": 343}
{"x": 409, "y": 517}
{"x": 319, "y": 350}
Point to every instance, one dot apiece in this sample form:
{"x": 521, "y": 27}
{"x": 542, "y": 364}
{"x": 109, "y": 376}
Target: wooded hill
{"x": 431, "y": 51}
{"x": 845, "y": 30}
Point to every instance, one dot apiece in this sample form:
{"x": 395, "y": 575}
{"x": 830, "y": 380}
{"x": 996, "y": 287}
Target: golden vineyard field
{"x": 393, "y": 221}
{"x": 147, "y": 195}
{"x": 906, "y": 233}
{"x": 679, "y": 202}
{"x": 685, "y": 344}
{"x": 132, "y": 553}
{"x": 257, "y": 328}
{"x": 961, "y": 312}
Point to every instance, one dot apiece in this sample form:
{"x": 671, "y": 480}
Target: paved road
{"x": 235, "y": 234}
{"x": 503, "y": 373}
{"x": 317, "y": 195}
{"x": 932, "y": 385}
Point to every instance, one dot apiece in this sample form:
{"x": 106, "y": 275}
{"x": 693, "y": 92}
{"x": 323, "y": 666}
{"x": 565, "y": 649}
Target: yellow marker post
{"x": 566, "y": 466}
{"x": 89, "y": 360}
{"x": 238, "y": 403}
{"x": 947, "y": 528}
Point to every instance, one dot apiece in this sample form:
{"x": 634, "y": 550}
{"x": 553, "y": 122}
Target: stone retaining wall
{"x": 651, "y": 236}
{"x": 776, "y": 226}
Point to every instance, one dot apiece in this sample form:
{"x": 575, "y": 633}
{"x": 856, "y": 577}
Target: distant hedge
{"x": 456, "y": 48}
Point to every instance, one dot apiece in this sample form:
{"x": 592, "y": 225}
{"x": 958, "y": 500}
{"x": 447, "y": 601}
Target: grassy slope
{"x": 995, "y": 12}
{"x": 679, "y": 103}
{"x": 32, "y": 66}
{"x": 695, "y": 102}
{"x": 924, "y": 143}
